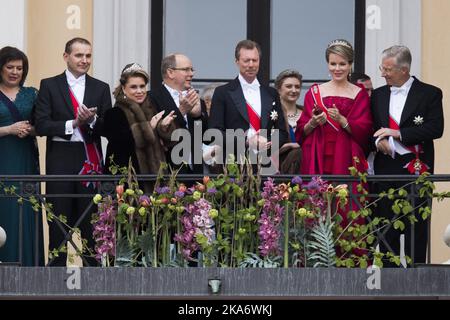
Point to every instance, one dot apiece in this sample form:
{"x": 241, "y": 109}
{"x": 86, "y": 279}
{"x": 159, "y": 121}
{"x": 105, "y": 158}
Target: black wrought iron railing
{"x": 29, "y": 185}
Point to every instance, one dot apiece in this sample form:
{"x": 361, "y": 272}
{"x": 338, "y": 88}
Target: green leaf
{"x": 407, "y": 209}
{"x": 362, "y": 263}
{"x": 378, "y": 262}
{"x": 399, "y": 225}
{"x": 376, "y": 221}
{"x": 113, "y": 170}
{"x": 396, "y": 208}
{"x": 412, "y": 219}
{"x": 402, "y": 192}
{"x": 353, "y": 171}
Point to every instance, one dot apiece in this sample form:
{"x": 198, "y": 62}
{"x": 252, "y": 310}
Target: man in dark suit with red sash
{"x": 246, "y": 104}
{"x": 69, "y": 111}
{"x": 407, "y": 116}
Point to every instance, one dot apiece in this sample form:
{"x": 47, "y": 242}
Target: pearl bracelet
{"x": 346, "y": 125}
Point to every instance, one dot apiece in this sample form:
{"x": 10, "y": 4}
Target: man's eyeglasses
{"x": 186, "y": 69}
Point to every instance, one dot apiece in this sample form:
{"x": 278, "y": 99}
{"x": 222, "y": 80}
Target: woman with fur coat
{"x": 133, "y": 127}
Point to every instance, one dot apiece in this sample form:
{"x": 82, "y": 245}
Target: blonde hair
{"x": 340, "y": 47}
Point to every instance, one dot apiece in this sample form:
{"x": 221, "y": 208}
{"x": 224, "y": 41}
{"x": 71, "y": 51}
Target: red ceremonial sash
{"x": 318, "y": 100}
{"x": 253, "y": 117}
{"x": 415, "y": 166}
{"x": 92, "y": 164}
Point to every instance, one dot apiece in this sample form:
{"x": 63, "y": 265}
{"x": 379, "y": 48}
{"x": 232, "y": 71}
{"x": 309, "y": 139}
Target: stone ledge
{"x": 192, "y": 283}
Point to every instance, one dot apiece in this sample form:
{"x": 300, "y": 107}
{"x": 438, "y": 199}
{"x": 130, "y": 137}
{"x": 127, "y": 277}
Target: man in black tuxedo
{"x": 408, "y": 116}
{"x": 247, "y": 105}
{"x": 177, "y": 94}
{"x": 69, "y": 111}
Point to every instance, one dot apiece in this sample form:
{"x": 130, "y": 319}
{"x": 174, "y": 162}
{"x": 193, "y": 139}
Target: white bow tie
{"x": 251, "y": 86}
{"x": 79, "y": 81}
{"x": 397, "y": 90}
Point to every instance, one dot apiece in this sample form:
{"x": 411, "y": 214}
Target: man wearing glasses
{"x": 176, "y": 93}
{"x": 408, "y": 116}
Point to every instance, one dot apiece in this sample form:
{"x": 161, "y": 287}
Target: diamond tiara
{"x": 340, "y": 43}
{"x": 134, "y": 67}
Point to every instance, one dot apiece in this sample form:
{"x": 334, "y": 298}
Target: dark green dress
{"x": 19, "y": 157}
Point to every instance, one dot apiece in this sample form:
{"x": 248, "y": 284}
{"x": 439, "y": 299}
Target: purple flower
{"x": 212, "y": 190}
{"x": 270, "y": 219}
{"x": 162, "y": 190}
{"x": 104, "y": 233}
{"x": 190, "y": 190}
{"x": 312, "y": 185}
{"x": 195, "y": 221}
{"x": 297, "y": 180}
{"x": 179, "y": 194}
{"x": 144, "y": 201}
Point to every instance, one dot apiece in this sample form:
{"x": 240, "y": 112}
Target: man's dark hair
{"x": 246, "y": 44}
{"x": 355, "y": 76}
{"x": 68, "y": 48}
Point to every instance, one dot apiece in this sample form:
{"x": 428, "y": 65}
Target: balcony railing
{"x": 29, "y": 185}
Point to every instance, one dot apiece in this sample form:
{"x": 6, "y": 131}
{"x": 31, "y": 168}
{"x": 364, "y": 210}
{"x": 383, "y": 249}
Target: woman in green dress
{"x": 18, "y": 156}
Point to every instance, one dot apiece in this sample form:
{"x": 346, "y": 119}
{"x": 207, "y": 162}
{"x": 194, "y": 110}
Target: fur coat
{"x": 129, "y": 134}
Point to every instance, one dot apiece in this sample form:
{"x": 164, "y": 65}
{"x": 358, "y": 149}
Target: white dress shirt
{"x": 396, "y": 105}
{"x": 77, "y": 86}
{"x": 252, "y": 96}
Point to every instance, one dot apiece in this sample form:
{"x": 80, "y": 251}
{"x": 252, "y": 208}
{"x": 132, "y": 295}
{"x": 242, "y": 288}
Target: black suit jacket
{"x": 423, "y": 101}
{"x": 162, "y": 100}
{"x": 53, "y": 108}
{"x": 229, "y": 110}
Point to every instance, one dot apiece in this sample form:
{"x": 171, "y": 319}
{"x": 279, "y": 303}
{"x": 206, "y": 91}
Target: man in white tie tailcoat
{"x": 408, "y": 116}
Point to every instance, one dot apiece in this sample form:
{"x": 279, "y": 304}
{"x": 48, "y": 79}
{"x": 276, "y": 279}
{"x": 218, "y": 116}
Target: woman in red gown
{"x": 328, "y": 149}
{"x": 332, "y": 136}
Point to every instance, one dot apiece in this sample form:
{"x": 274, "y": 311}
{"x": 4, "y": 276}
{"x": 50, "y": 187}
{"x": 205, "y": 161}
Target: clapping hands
{"x": 165, "y": 122}
{"x": 190, "y": 103}
{"x": 85, "y": 115}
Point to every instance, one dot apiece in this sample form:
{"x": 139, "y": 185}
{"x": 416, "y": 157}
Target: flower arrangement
{"x": 236, "y": 220}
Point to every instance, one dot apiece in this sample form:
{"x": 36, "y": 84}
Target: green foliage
{"x": 252, "y": 260}
{"x": 125, "y": 253}
{"x": 322, "y": 244}
{"x": 312, "y": 232}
